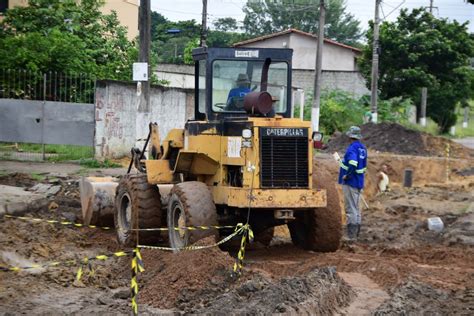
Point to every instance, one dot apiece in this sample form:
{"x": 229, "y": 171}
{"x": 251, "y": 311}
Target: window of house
{"x": 3, "y": 6}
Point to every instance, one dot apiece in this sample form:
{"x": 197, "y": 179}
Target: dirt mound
{"x": 462, "y": 230}
{"x": 200, "y": 282}
{"x": 397, "y": 139}
{"x": 19, "y": 180}
{"x": 170, "y": 277}
{"x": 320, "y": 292}
{"x": 414, "y": 298}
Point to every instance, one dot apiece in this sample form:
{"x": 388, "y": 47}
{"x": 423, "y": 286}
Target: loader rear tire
{"x": 190, "y": 204}
{"x": 320, "y": 229}
{"x": 137, "y": 205}
{"x": 265, "y": 237}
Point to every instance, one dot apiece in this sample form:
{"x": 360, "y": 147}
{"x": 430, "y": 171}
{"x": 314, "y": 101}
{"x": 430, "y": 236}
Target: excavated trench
{"x": 398, "y": 266}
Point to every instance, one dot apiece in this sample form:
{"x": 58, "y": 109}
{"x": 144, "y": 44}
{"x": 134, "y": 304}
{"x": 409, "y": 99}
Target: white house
{"x": 338, "y": 63}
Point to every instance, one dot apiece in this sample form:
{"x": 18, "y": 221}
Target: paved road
{"x": 468, "y": 142}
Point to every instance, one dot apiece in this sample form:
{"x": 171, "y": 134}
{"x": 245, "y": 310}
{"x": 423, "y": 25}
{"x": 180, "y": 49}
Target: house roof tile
{"x": 264, "y": 37}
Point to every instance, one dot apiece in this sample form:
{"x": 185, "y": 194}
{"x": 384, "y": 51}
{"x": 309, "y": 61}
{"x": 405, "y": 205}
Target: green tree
{"x": 188, "y": 51}
{"x": 269, "y": 16}
{"x": 174, "y": 47}
{"x": 66, "y": 35}
{"x": 226, "y": 25}
{"x": 169, "y": 46}
{"x": 224, "y": 39}
{"x": 156, "y": 19}
{"x": 419, "y": 50}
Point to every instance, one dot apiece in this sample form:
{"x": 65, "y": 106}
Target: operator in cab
{"x": 235, "y": 100}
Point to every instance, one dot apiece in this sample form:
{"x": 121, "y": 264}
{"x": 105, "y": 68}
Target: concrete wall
{"x": 349, "y": 81}
{"x": 178, "y": 76}
{"x": 335, "y": 58}
{"x": 121, "y": 126}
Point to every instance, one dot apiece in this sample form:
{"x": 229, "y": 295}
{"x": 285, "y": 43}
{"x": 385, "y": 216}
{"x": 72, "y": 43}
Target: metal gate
{"x": 46, "y": 116}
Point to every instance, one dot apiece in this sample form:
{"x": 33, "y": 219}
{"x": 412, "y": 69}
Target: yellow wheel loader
{"x": 241, "y": 158}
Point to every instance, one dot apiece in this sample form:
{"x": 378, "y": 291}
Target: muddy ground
{"x": 397, "y": 267}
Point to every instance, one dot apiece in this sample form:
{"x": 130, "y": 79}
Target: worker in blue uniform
{"x": 351, "y": 176}
{"x": 235, "y": 99}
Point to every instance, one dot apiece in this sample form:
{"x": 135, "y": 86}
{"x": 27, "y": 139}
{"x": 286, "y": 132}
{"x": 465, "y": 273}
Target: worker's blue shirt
{"x": 238, "y": 92}
{"x": 354, "y": 165}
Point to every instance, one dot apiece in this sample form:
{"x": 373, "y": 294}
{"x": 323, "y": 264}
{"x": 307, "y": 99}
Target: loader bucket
{"x": 97, "y": 200}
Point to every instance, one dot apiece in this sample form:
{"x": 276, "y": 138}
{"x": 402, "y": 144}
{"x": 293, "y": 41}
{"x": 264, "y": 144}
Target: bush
{"x": 340, "y": 110}
{"x": 395, "y": 110}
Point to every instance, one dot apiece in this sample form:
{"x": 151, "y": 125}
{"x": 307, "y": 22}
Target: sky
{"x": 363, "y": 10}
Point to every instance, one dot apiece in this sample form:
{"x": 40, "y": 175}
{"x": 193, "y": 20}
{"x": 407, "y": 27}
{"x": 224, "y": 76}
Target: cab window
{"x": 233, "y": 79}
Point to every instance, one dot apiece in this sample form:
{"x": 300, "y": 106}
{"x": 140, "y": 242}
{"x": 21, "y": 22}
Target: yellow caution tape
{"x": 79, "y": 225}
{"x": 447, "y": 161}
{"x": 137, "y": 266}
{"x": 69, "y": 262}
{"x": 239, "y": 263}
{"x": 183, "y": 228}
{"x": 52, "y": 221}
{"x": 238, "y": 230}
{"x": 137, "y": 261}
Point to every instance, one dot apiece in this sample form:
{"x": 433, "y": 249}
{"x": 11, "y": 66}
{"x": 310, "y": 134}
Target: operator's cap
{"x": 354, "y": 132}
{"x": 243, "y": 78}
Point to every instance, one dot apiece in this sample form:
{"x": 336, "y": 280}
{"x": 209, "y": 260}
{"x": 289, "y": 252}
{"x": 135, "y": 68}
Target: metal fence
{"x": 43, "y": 152}
{"x": 53, "y": 88}
{"x": 47, "y": 86}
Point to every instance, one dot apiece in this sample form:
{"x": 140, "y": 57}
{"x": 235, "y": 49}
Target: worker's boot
{"x": 351, "y": 232}
{"x": 358, "y": 230}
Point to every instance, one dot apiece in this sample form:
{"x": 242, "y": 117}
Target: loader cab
{"x": 224, "y": 76}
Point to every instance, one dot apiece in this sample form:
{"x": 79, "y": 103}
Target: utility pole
{"x": 424, "y": 96}
{"x": 375, "y": 64}
{"x": 318, "y": 69}
{"x": 466, "y": 117}
{"x": 144, "y": 26}
{"x": 204, "y": 24}
{"x": 431, "y": 6}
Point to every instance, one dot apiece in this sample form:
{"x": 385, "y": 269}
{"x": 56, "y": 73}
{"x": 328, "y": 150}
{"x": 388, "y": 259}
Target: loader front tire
{"x": 317, "y": 230}
{"x": 137, "y": 205}
{"x": 190, "y": 205}
{"x": 320, "y": 229}
{"x": 265, "y": 237}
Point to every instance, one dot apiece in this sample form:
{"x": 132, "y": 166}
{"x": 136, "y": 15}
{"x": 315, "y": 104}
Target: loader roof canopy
{"x": 225, "y": 75}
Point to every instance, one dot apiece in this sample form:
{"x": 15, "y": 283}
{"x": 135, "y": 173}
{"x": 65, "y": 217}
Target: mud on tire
{"x": 190, "y": 204}
{"x": 136, "y": 199}
{"x": 320, "y": 229}
{"x": 265, "y": 237}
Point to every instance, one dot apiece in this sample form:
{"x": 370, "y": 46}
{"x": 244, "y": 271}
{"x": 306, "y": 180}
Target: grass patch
{"x": 465, "y": 132}
{"x": 53, "y": 153}
{"x": 82, "y": 172}
{"x": 37, "y": 177}
{"x": 430, "y": 128}
{"x": 94, "y": 163}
